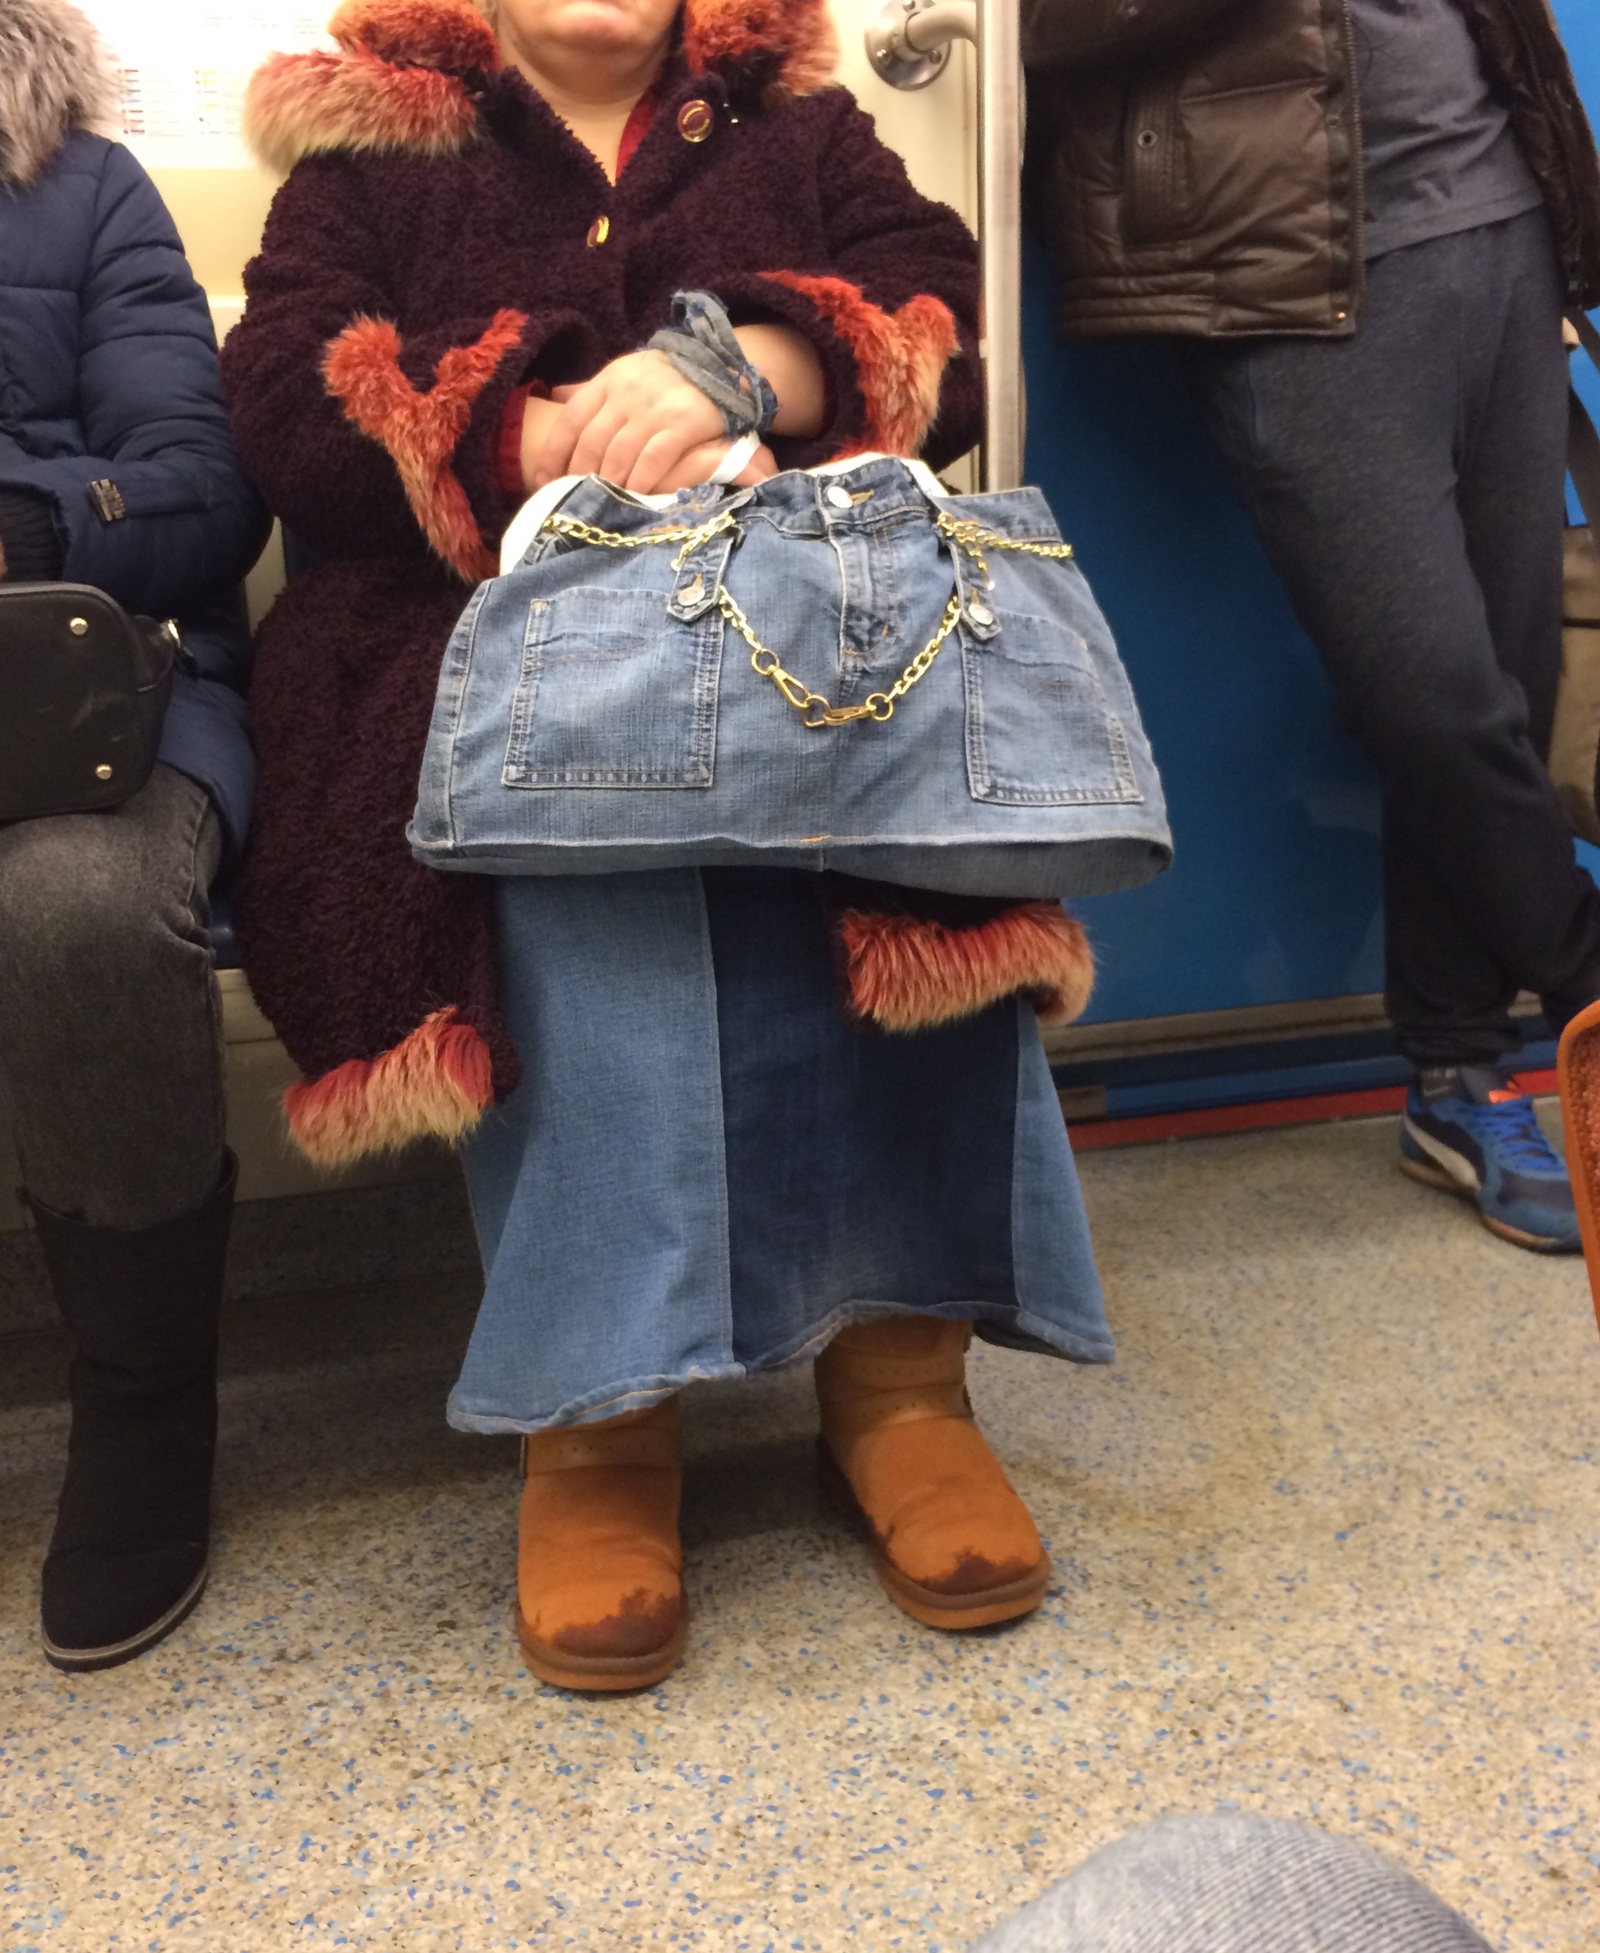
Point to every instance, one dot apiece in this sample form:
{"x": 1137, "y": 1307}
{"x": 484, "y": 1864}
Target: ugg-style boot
{"x": 129, "y": 1555}
{"x": 954, "y": 1544}
{"x": 599, "y": 1567}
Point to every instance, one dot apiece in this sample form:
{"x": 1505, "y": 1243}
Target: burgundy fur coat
{"x": 442, "y": 239}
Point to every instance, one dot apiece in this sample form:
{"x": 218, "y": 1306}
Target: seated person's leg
{"x": 110, "y": 1055}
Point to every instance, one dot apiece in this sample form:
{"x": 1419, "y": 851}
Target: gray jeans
{"x": 1235, "y": 1883}
{"x": 110, "y": 1032}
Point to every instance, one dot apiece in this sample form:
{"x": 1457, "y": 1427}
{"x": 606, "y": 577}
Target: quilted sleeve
{"x": 157, "y": 510}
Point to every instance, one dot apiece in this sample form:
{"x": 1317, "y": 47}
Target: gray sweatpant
{"x": 110, "y": 1036}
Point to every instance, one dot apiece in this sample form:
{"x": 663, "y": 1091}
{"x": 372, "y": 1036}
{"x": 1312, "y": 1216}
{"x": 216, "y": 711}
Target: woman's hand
{"x": 634, "y": 424}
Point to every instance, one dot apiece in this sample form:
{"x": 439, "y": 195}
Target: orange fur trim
{"x": 448, "y": 34}
{"x": 397, "y": 83}
{"x": 433, "y": 1084}
{"x": 723, "y": 34}
{"x": 900, "y": 356}
{"x": 421, "y": 430}
{"x": 301, "y": 104}
{"x": 908, "y": 974}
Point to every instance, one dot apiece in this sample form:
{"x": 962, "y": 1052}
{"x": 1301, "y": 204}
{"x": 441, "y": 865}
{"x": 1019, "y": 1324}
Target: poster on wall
{"x": 184, "y": 66}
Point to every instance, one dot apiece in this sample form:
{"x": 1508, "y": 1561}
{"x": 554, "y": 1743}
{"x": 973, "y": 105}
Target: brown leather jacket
{"x": 1196, "y": 164}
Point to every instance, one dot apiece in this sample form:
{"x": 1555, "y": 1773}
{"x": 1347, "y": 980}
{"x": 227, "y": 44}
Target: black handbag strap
{"x": 1583, "y": 439}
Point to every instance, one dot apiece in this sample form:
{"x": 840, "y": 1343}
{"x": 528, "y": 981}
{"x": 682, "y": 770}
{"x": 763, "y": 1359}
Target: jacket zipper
{"x": 1358, "y": 160}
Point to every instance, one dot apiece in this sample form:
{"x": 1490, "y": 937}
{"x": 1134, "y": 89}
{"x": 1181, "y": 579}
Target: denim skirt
{"x": 709, "y": 1170}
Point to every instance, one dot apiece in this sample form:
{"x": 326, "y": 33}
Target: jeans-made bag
{"x": 1575, "y": 737}
{"x": 842, "y": 669}
{"x": 83, "y": 691}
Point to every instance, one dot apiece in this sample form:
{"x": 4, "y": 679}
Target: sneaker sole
{"x": 1426, "y": 1174}
{"x": 83, "y": 1661}
{"x": 600, "y": 1674}
{"x": 951, "y": 1612}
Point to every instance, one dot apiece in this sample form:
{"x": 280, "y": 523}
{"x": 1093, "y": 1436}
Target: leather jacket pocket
{"x": 1154, "y": 174}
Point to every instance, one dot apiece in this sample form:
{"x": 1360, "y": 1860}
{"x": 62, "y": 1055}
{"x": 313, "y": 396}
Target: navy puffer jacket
{"x": 116, "y": 466}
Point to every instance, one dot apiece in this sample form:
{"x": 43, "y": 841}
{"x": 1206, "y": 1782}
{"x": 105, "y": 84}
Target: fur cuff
{"x": 433, "y": 1084}
{"x": 900, "y": 357}
{"x": 907, "y": 973}
{"x": 422, "y": 430}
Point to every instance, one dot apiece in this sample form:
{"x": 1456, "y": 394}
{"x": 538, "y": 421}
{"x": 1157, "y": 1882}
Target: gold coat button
{"x": 599, "y": 231}
{"x": 695, "y": 121}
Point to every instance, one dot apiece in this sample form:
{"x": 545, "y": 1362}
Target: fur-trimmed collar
{"x": 408, "y": 72}
{"x": 55, "y": 76}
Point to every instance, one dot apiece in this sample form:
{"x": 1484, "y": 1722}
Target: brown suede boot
{"x": 599, "y": 1567}
{"x": 954, "y": 1544}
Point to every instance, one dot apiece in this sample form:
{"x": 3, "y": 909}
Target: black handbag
{"x": 83, "y": 690}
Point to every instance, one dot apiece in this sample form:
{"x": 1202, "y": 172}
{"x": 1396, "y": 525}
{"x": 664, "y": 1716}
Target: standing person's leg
{"x": 110, "y": 1053}
{"x": 1512, "y": 496}
{"x": 1235, "y": 1883}
{"x": 1349, "y": 456}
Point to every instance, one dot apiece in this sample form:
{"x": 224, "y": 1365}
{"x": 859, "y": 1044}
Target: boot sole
{"x": 952, "y": 1612}
{"x": 1427, "y": 1175}
{"x": 81, "y": 1661}
{"x": 610, "y": 1674}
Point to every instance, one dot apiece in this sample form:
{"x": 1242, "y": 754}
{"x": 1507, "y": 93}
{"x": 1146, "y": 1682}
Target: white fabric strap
{"x": 735, "y": 461}
{"x": 531, "y": 518}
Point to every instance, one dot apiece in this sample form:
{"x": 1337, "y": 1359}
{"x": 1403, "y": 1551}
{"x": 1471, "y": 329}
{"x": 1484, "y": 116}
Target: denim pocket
{"x": 615, "y": 691}
{"x": 1040, "y": 731}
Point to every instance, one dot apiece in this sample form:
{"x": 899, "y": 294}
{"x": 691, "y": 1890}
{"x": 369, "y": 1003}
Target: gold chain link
{"x": 815, "y": 711}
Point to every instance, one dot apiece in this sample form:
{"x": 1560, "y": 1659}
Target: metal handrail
{"x": 907, "y": 44}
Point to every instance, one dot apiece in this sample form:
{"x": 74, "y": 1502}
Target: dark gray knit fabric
{"x": 1235, "y": 1883}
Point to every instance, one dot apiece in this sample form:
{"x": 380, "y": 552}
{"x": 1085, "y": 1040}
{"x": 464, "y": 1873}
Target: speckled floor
{"x": 1326, "y": 1544}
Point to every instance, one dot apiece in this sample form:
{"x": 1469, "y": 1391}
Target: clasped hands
{"x": 638, "y": 424}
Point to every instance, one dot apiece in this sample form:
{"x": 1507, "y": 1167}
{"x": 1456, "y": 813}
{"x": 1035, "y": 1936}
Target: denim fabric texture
{"x": 708, "y": 1170}
{"x": 597, "y": 714}
{"x": 1232, "y": 1882}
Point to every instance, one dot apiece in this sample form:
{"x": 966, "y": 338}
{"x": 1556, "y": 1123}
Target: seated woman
{"x": 692, "y": 1150}
{"x": 116, "y": 470}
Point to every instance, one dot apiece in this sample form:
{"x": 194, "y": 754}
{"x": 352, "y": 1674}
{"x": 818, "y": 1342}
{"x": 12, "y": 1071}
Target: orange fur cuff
{"x": 908, "y": 974}
{"x": 900, "y": 357}
{"x": 421, "y": 430}
{"x": 434, "y": 1083}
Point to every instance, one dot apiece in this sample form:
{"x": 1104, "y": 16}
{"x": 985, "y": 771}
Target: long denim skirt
{"x": 709, "y": 1170}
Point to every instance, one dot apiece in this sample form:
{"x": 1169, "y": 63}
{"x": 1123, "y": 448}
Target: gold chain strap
{"x": 815, "y": 711}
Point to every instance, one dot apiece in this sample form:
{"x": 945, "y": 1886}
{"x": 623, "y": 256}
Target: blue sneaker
{"x": 1466, "y": 1130}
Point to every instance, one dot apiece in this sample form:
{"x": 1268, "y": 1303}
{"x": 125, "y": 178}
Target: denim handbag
{"x": 845, "y": 668}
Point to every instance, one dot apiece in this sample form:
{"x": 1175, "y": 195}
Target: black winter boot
{"x": 128, "y": 1559}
